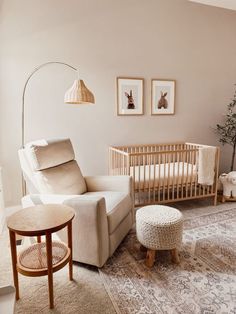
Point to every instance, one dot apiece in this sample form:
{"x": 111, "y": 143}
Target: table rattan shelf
{"x": 41, "y": 258}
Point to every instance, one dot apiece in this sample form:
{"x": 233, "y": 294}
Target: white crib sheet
{"x": 161, "y": 175}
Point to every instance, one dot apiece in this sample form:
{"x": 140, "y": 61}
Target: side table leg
{"x": 50, "y": 273}
{"x": 69, "y": 234}
{"x": 14, "y": 261}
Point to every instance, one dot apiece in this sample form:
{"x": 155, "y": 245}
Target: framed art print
{"x": 163, "y": 97}
{"x": 129, "y": 96}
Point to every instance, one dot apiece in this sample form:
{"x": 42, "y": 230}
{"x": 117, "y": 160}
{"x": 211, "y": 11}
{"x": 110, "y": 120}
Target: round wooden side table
{"x": 41, "y": 258}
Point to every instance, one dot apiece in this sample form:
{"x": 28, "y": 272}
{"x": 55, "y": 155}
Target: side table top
{"x": 38, "y": 219}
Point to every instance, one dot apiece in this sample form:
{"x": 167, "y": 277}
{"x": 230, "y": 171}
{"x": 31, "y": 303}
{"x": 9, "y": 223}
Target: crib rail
{"x": 162, "y": 173}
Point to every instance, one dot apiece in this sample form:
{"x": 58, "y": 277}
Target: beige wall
{"x": 191, "y": 43}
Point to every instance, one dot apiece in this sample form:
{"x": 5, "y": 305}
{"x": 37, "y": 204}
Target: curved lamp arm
{"x": 77, "y": 94}
{"x": 23, "y": 105}
{"x": 24, "y": 91}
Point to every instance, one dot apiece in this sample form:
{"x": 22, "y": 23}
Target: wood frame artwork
{"x": 162, "y": 96}
{"x": 129, "y": 96}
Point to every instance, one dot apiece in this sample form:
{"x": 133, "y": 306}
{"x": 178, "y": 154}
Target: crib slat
{"x": 110, "y": 162}
{"x": 168, "y": 178}
{"x": 178, "y": 172}
{"x": 208, "y": 189}
{"x": 144, "y": 174}
{"x": 128, "y": 165}
{"x": 187, "y": 175}
{"x": 154, "y": 178}
{"x": 114, "y": 163}
{"x": 181, "y": 175}
{"x": 173, "y": 173}
{"x": 164, "y": 178}
{"x": 149, "y": 178}
{"x": 139, "y": 173}
{"x": 191, "y": 181}
{"x": 159, "y": 177}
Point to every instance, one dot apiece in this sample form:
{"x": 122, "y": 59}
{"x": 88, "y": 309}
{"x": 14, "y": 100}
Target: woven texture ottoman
{"x": 159, "y": 227}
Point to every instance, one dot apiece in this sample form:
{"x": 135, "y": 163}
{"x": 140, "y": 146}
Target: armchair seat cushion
{"x": 118, "y": 206}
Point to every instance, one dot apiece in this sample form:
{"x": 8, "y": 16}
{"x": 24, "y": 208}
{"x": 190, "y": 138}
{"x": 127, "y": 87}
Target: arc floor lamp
{"x": 77, "y": 94}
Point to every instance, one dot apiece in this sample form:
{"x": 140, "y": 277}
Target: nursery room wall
{"x": 191, "y": 43}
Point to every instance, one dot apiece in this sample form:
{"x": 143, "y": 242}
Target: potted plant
{"x": 227, "y": 131}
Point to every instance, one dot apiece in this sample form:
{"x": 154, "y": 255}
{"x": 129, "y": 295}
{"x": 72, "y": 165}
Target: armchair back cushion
{"x": 51, "y": 168}
{"x": 44, "y": 154}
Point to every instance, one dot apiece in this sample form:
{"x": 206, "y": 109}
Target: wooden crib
{"x": 163, "y": 173}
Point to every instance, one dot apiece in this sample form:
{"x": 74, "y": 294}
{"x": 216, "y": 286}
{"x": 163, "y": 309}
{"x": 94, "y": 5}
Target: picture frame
{"x": 162, "y": 97}
{"x": 129, "y": 96}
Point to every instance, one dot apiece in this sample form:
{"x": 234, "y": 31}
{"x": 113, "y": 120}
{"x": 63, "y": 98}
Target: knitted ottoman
{"x": 159, "y": 227}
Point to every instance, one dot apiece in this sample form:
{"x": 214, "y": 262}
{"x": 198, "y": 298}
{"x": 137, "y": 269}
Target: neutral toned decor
{"x": 229, "y": 186}
{"x": 77, "y": 94}
{"x": 165, "y": 173}
{"x": 208, "y": 242}
{"x": 129, "y": 96}
{"x": 43, "y": 258}
{"x": 227, "y": 131}
{"x": 203, "y": 282}
{"x": 7, "y": 299}
{"x": 158, "y": 228}
{"x": 103, "y": 204}
{"x": 163, "y": 97}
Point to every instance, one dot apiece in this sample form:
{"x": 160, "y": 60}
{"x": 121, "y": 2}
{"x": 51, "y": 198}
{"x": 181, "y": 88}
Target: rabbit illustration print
{"x": 163, "y": 97}
{"x": 163, "y": 103}
{"x": 130, "y": 99}
{"x": 129, "y": 96}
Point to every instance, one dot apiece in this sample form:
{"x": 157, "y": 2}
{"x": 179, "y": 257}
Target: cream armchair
{"x": 103, "y": 204}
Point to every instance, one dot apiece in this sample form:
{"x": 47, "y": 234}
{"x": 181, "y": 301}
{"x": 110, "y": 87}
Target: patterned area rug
{"x": 203, "y": 282}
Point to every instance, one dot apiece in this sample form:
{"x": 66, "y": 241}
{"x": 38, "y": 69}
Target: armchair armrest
{"x": 110, "y": 183}
{"x": 90, "y": 225}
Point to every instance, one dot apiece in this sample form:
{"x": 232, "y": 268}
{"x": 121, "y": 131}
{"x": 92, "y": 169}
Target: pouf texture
{"x": 159, "y": 227}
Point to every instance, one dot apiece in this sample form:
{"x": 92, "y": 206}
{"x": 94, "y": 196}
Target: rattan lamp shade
{"x": 79, "y": 94}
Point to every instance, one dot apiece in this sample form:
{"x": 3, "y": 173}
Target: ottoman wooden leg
{"x": 175, "y": 256}
{"x": 143, "y": 248}
{"x": 150, "y": 258}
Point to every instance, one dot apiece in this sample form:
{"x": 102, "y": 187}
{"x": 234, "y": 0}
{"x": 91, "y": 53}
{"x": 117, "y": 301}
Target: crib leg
{"x": 215, "y": 199}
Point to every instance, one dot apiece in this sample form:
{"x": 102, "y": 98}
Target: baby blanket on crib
{"x": 206, "y": 165}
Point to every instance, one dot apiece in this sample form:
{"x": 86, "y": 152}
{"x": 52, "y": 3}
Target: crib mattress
{"x": 154, "y": 176}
